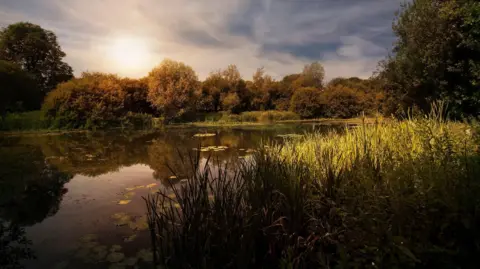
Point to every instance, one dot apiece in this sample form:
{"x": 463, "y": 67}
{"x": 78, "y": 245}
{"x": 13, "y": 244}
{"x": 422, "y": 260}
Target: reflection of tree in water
{"x": 30, "y": 191}
{"x": 94, "y": 154}
{"x": 14, "y": 246}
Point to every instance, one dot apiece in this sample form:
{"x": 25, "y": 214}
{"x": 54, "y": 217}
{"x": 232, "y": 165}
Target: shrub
{"x": 307, "y": 102}
{"x": 272, "y": 115}
{"x": 93, "y": 101}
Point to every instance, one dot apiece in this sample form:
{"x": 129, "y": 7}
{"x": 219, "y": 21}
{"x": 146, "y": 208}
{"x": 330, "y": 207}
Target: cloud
{"x": 348, "y": 37}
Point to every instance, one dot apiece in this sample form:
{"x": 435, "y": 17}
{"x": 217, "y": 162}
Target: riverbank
{"x": 33, "y": 123}
{"x": 398, "y": 195}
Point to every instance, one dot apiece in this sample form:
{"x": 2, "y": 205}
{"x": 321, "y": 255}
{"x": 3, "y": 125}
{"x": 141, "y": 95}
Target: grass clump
{"x": 403, "y": 194}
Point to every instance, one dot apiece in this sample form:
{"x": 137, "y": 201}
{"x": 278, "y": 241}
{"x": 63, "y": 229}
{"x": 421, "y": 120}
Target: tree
{"x": 95, "y": 100}
{"x": 263, "y": 90}
{"x": 436, "y": 56}
{"x": 136, "y": 95}
{"x": 343, "y": 102}
{"x": 313, "y": 75}
{"x": 307, "y": 102}
{"x": 37, "y": 52}
{"x": 210, "y": 93}
{"x": 17, "y": 89}
{"x": 172, "y": 88}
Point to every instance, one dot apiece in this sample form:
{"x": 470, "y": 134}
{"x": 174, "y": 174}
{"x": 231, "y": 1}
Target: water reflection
{"x": 36, "y": 173}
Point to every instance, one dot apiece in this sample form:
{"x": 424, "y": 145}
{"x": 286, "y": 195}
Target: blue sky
{"x": 348, "y": 37}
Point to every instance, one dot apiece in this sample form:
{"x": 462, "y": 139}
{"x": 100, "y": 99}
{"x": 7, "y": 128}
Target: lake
{"x": 78, "y": 196}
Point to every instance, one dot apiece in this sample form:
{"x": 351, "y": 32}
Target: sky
{"x": 348, "y": 37}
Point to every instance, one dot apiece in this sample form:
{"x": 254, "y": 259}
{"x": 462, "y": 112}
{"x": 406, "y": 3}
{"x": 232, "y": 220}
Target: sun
{"x": 129, "y": 53}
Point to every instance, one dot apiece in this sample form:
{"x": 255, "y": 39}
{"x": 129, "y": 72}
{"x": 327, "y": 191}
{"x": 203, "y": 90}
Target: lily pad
{"x": 88, "y": 238}
{"x": 131, "y": 261}
{"x": 172, "y": 196}
{"x": 204, "y": 135}
{"x": 151, "y": 185}
{"x": 124, "y": 202}
{"x": 177, "y": 205}
{"x": 145, "y": 255}
{"x": 129, "y": 195}
{"x": 115, "y": 257}
{"x": 130, "y": 238}
{"x": 115, "y": 248}
{"x": 173, "y": 177}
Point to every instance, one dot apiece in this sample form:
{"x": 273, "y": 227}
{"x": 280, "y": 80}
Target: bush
{"x": 92, "y": 101}
{"x": 273, "y": 115}
{"x": 307, "y": 102}
{"x": 26, "y": 121}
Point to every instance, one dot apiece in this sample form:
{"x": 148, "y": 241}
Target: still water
{"x": 78, "y": 196}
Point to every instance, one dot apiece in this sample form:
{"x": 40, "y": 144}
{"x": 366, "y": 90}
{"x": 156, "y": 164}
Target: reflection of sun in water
{"x": 129, "y": 53}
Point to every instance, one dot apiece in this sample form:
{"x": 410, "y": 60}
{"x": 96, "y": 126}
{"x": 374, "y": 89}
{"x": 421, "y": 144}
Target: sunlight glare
{"x": 129, "y": 53}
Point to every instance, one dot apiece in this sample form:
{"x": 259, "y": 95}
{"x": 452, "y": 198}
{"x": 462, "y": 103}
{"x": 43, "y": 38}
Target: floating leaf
{"x": 177, "y": 205}
{"x": 172, "y": 195}
{"x": 115, "y": 257}
{"x": 124, "y": 202}
{"x": 115, "y": 248}
{"x": 128, "y": 195}
{"x": 131, "y": 261}
{"x": 88, "y": 238}
{"x": 130, "y": 238}
{"x": 151, "y": 185}
{"x": 204, "y": 135}
{"x": 173, "y": 177}
{"x": 145, "y": 255}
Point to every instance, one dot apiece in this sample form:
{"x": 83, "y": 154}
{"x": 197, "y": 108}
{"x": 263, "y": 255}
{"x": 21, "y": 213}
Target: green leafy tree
{"x": 343, "y": 102}
{"x": 211, "y": 92}
{"x": 37, "y": 52}
{"x": 173, "y": 88}
{"x": 307, "y": 102}
{"x": 17, "y": 89}
{"x": 436, "y": 56}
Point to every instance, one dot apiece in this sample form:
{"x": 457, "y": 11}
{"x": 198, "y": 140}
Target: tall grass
{"x": 402, "y": 194}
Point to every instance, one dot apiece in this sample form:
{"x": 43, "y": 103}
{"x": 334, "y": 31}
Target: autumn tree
{"x": 211, "y": 92}
{"x": 436, "y": 56}
{"x": 307, "y": 102}
{"x": 172, "y": 89}
{"x": 37, "y": 52}
{"x": 263, "y": 90}
{"x": 95, "y": 100}
{"x": 136, "y": 95}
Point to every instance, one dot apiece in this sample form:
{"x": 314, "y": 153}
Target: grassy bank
{"x": 402, "y": 194}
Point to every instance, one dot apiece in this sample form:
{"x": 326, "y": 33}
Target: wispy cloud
{"x": 349, "y": 37}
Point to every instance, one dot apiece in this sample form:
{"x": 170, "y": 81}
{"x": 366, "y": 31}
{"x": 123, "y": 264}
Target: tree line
{"x": 436, "y": 56}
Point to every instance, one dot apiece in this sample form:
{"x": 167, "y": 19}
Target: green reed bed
{"x": 402, "y": 194}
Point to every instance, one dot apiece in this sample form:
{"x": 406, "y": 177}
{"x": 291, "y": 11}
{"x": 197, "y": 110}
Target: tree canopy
{"x": 436, "y": 56}
{"x": 37, "y": 52}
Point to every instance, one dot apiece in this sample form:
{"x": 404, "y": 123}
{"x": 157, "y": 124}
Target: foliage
{"x": 26, "y": 121}
{"x": 343, "y": 102}
{"x": 17, "y": 92}
{"x": 172, "y": 88}
{"x": 136, "y": 94}
{"x": 436, "y": 56}
{"x": 95, "y": 100}
{"x": 398, "y": 195}
{"x": 307, "y": 102}
{"x": 37, "y": 52}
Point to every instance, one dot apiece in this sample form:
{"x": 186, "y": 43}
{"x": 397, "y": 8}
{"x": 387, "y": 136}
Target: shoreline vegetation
{"x": 397, "y": 194}
{"x": 33, "y": 122}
